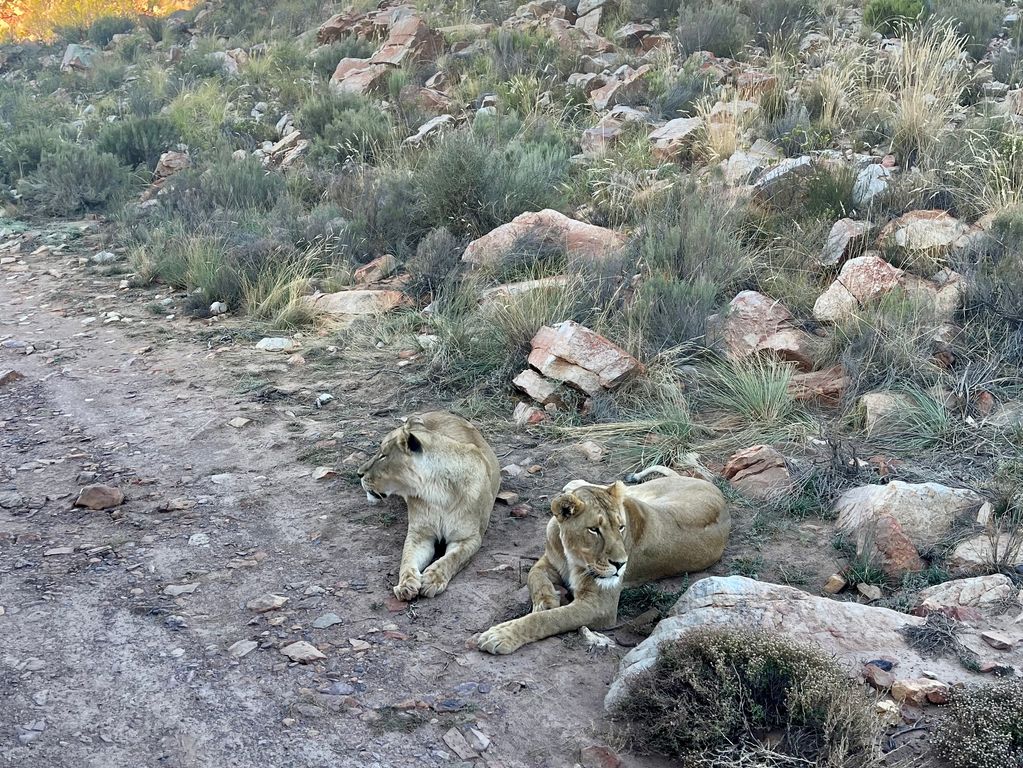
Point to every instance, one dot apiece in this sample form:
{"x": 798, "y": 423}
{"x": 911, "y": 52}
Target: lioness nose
{"x": 617, "y": 564}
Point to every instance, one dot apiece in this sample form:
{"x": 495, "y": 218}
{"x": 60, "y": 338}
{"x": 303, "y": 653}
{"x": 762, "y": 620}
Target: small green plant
{"x": 138, "y": 141}
{"x": 756, "y": 388}
{"x": 104, "y": 28}
{"x": 711, "y": 696}
{"x": 637, "y": 600}
{"x": 981, "y": 727}
{"x": 890, "y": 17}
{"x": 74, "y": 179}
{"x": 714, "y": 27}
{"x": 976, "y": 20}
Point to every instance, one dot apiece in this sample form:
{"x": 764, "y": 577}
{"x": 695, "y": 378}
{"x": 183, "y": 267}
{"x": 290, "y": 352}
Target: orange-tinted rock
{"x": 895, "y": 553}
{"x": 862, "y": 280}
{"x": 759, "y": 472}
{"x": 756, "y": 324}
{"x": 409, "y": 41}
{"x": 358, "y": 302}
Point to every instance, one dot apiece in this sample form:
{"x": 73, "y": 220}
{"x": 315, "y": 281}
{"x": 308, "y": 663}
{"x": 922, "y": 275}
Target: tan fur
{"x": 448, "y": 476}
{"x": 661, "y": 528}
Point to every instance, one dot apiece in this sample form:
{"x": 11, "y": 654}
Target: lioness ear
{"x": 566, "y": 505}
{"x": 617, "y": 491}
{"x": 413, "y": 444}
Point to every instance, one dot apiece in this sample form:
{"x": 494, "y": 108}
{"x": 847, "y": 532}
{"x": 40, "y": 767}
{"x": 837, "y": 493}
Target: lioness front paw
{"x": 499, "y": 639}
{"x": 408, "y": 587}
{"x": 545, "y": 603}
{"x": 433, "y": 584}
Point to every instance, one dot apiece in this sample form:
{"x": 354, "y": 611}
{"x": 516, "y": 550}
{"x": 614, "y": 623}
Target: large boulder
{"x": 757, "y": 324}
{"x": 925, "y": 511}
{"x": 409, "y": 41}
{"x": 987, "y": 593}
{"x": 675, "y": 137}
{"x": 853, "y": 632}
{"x": 759, "y": 472}
{"x": 824, "y": 387}
{"x": 923, "y": 232}
{"x": 360, "y": 76}
{"x": 78, "y": 58}
{"x": 545, "y": 229}
{"x": 573, "y": 354}
{"x": 358, "y": 302}
{"x": 862, "y": 280}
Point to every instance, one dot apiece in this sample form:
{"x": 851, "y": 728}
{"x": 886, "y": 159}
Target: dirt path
{"x": 99, "y": 666}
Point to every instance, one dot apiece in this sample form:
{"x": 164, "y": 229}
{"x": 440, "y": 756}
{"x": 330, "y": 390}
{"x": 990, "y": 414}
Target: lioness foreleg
{"x": 418, "y": 549}
{"x": 541, "y": 581}
{"x": 509, "y": 636}
{"x": 457, "y": 554}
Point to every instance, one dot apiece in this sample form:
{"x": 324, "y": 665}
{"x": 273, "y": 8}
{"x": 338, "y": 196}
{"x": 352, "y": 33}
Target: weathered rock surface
{"x": 925, "y": 511}
{"x": 922, "y": 231}
{"x": 99, "y": 497}
{"x": 853, "y": 632}
{"x": 759, "y": 472}
{"x": 757, "y": 324}
{"x": 862, "y": 280}
{"x": 546, "y": 228}
{"x": 358, "y": 301}
{"x": 568, "y": 345}
{"x": 983, "y": 592}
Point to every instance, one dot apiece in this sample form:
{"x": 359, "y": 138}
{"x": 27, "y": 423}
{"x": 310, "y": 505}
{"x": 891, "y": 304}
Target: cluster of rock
{"x": 871, "y": 642}
{"x": 570, "y": 355}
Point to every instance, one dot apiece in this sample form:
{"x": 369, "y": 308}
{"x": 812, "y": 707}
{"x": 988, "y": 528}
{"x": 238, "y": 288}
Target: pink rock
{"x": 548, "y": 228}
{"x": 752, "y": 83}
{"x": 358, "y": 302}
{"x": 580, "y": 346}
{"x": 825, "y": 387}
{"x": 409, "y": 41}
{"x": 525, "y": 415}
{"x": 758, "y": 472}
{"x": 619, "y": 88}
{"x": 376, "y": 270}
{"x": 755, "y": 324}
{"x": 536, "y": 386}
{"x": 847, "y": 238}
{"x": 675, "y": 136}
{"x": 359, "y": 76}
{"x": 862, "y": 280}
{"x": 923, "y": 231}
{"x": 895, "y": 553}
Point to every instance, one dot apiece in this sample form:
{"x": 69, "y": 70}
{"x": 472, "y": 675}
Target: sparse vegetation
{"x": 740, "y": 685}
{"x": 981, "y": 727}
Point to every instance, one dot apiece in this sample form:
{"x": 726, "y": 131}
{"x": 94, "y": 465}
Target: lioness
{"x": 448, "y": 476}
{"x": 602, "y": 538}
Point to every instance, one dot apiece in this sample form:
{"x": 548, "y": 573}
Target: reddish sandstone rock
{"x": 862, "y": 280}
{"x": 359, "y": 76}
{"x": 548, "y": 228}
{"x": 376, "y": 270}
{"x": 922, "y": 231}
{"x": 759, "y": 472}
{"x": 358, "y": 302}
{"x": 675, "y": 137}
{"x": 756, "y": 324}
{"x": 846, "y": 239}
{"x": 895, "y": 553}
{"x": 825, "y": 387}
{"x": 536, "y": 386}
{"x": 409, "y": 41}
{"x": 577, "y": 344}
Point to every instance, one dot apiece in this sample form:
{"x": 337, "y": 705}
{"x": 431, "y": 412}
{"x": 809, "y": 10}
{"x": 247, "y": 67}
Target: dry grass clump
{"x": 982, "y": 727}
{"x": 744, "y": 698}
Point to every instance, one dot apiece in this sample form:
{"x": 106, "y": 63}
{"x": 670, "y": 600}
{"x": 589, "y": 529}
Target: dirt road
{"x": 101, "y": 666}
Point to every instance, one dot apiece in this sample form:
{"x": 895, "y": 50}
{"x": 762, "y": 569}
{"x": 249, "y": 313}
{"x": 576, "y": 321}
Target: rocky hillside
{"x": 774, "y": 243}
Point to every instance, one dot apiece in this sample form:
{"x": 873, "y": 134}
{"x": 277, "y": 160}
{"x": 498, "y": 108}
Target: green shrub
{"x": 21, "y": 152}
{"x": 436, "y": 259}
{"x": 74, "y": 179}
{"x": 343, "y": 128}
{"x": 675, "y": 93}
{"x": 138, "y": 141}
{"x": 976, "y": 20}
{"x": 712, "y": 695}
{"x": 982, "y": 727}
{"x": 234, "y": 185}
{"x": 104, "y": 28}
{"x": 155, "y": 26}
{"x": 890, "y": 17}
{"x": 717, "y": 27}
{"x": 776, "y": 22}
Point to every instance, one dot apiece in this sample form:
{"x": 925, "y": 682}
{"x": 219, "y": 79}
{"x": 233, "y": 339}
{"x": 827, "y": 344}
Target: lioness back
{"x": 680, "y": 525}
{"x": 461, "y": 431}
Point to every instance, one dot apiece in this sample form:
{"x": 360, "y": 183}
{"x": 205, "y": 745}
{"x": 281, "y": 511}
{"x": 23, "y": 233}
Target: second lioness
{"x": 603, "y": 538}
{"x": 448, "y": 476}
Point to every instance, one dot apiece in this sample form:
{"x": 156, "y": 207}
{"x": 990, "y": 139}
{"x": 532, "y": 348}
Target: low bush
{"x": 104, "y": 28}
{"x": 138, "y": 141}
{"x": 343, "y": 128}
{"x": 717, "y": 27}
{"x": 324, "y": 60}
{"x": 977, "y": 20}
{"x": 981, "y": 727}
{"x": 712, "y": 696}
{"x": 890, "y": 17}
{"x": 74, "y": 179}
{"x": 228, "y": 184}
{"x": 22, "y": 151}
{"x": 776, "y": 22}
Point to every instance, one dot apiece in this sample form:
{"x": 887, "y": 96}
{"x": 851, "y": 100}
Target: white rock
{"x": 302, "y": 651}
{"x": 242, "y": 648}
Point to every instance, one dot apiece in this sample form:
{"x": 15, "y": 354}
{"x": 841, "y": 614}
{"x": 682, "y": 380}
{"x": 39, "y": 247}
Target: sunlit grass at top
{"x": 39, "y": 19}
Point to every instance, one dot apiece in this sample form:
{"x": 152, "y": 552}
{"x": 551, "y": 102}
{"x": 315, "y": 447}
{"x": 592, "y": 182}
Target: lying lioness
{"x": 602, "y": 538}
{"x": 448, "y": 476}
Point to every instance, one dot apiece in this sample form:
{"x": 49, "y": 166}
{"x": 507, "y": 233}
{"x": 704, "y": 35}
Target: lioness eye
{"x": 621, "y": 529}
{"x": 594, "y": 531}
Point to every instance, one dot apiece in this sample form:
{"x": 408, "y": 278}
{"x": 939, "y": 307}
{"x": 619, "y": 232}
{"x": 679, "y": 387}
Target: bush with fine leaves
{"x": 74, "y": 179}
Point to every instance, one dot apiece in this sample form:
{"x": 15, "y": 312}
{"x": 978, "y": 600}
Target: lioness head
{"x": 594, "y": 532}
{"x": 394, "y": 469}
